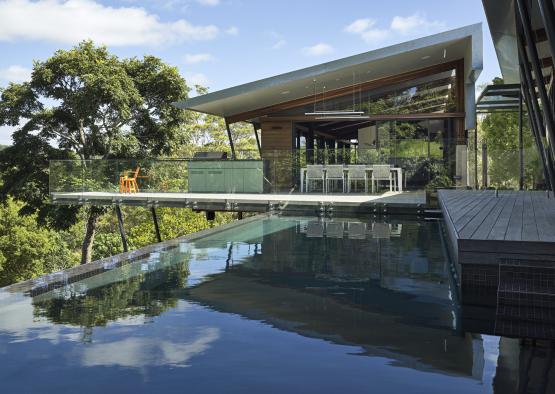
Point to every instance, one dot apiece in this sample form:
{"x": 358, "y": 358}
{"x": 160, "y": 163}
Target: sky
{"x": 223, "y": 43}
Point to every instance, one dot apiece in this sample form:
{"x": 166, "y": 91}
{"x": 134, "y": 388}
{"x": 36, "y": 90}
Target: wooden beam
{"x": 347, "y": 90}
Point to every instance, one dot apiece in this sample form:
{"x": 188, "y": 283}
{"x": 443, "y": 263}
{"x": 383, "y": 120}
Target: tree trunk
{"x": 86, "y": 250}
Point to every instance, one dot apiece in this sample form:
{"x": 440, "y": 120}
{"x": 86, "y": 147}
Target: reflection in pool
{"x": 272, "y": 304}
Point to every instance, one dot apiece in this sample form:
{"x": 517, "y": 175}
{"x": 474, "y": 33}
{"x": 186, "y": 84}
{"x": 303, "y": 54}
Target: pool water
{"x": 272, "y": 304}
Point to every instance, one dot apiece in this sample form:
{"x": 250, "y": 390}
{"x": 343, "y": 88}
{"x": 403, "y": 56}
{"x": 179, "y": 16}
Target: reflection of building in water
{"x": 400, "y": 255}
{"x": 371, "y": 284}
{"x": 525, "y": 367}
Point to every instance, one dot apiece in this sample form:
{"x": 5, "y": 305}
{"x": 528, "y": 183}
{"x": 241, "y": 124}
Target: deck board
{"x": 488, "y": 228}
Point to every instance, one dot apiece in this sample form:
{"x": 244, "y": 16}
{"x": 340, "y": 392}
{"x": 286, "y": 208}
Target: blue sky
{"x": 222, "y": 43}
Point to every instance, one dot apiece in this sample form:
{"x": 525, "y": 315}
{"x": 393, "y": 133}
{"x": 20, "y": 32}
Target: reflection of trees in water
{"x": 145, "y": 294}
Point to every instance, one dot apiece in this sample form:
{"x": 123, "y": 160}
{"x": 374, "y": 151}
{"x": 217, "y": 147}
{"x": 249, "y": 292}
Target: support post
{"x": 156, "y": 227}
{"x": 520, "y": 144}
{"x": 121, "y": 228}
{"x": 536, "y": 119}
{"x": 484, "y": 166}
{"x": 476, "y": 185}
{"x": 540, "y": 82}
{"x": 231, "y": 145}
{"x": 536, "y": 124}
{"x": 257, "y": 140}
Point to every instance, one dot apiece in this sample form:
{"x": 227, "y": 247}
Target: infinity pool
{"x": 288, "y": 304}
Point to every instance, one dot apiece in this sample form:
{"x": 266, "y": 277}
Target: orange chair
{"x": 128, "y": 181}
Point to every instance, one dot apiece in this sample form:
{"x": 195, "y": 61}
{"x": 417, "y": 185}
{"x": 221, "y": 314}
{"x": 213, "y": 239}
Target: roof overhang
{"x": 501, "y": 21}
{"x": 463, "y": 43}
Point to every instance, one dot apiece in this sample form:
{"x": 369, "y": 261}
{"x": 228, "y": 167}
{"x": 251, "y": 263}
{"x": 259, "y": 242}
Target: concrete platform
{"x": 396, "y": 202}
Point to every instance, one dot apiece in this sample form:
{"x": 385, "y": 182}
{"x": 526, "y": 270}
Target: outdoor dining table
{"x": 398, "y": 180}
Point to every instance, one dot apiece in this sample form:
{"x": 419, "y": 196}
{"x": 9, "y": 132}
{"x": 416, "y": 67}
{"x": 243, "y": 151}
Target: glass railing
{"x": 500, "y": 169}
{"x": 278, "y": 171}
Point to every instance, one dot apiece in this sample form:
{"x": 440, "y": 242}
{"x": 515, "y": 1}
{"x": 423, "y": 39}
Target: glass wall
{"x": 434, "y": 93}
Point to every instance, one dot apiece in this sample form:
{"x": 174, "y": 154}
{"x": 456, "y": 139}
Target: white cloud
{"x": 232, "y": 31}
{"x": 318, "y": 49}
{"x": 197, "y": 58}
{"x": 210, "y": 3}
{"x": 399, "y": 26}
{"x": 414, "y": 24}
{"x": 279, "y": 44}
{"x": 138, "y": 352}
{"x": 360, "y": 25}
{"x": 70, "y": 21}
{"x": 15, "y": 73}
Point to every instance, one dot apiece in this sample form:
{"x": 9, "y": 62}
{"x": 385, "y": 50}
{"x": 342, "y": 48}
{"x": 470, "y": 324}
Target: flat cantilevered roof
{"x": 463, "y": 43}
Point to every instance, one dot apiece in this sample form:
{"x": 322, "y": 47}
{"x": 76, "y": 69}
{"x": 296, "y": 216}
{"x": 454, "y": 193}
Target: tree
{"x": 208, "y": 132}
{"x": 28, "y": 250}
{"x": 500, "y": 132}
{"x": 86, "y": 103}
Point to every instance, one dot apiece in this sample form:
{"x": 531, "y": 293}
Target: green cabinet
{"x": 231, "y": 176}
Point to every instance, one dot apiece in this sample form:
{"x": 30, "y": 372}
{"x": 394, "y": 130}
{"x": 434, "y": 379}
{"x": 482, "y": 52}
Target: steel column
{"x": 540, "y": 82}
{"x": 536, "y": 123}
{"x": 536, "y": 120}
{"x": 476, "y": 185}
{"x": 121, "y": 228}
{"x": 231, "y": 145}
{"x": 520, "y": 144}
{"x": 156, "y": 227}
{"x": 257, "y": 140}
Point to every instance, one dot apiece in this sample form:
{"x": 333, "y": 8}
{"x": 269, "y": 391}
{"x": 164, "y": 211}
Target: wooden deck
{"x": 488, "y": 229}
{"x": 389, "y": 202}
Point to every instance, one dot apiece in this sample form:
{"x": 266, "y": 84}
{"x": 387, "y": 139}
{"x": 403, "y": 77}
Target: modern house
{"x": 407, "y": 105}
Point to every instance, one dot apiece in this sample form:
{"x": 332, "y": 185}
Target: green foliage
{"x": 439, "y": 178}
{"x": 500, "y": 132}
{"x": 28, "y": 250}
{"x": 139, "y": 227}
{"x": 119, "y": 299}
{"x": 86, "y": 103}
